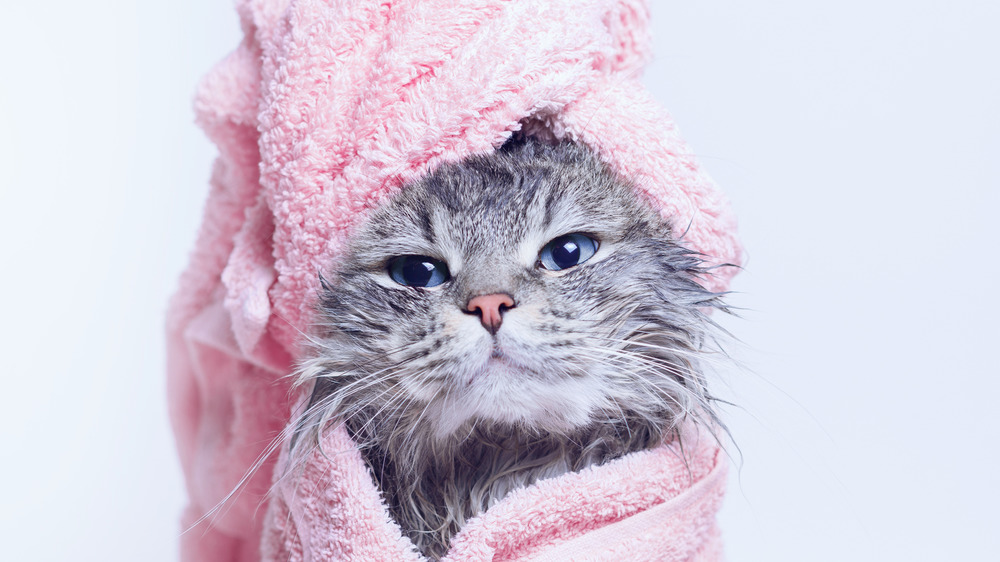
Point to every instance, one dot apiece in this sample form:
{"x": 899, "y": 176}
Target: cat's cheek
{"x": 421, "y": 390}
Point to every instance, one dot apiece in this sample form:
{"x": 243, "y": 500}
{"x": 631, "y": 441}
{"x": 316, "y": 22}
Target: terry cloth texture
{"x": 326, "y": 108}
{"x": 650, "y": 505}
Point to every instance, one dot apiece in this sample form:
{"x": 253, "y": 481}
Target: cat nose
{"x": 490, "y": 309}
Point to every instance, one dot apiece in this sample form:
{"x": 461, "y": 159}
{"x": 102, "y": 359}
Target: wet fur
{"x": 592, "y": 362}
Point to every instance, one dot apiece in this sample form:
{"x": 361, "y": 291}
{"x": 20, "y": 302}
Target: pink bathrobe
{"x": 323, "y": 110}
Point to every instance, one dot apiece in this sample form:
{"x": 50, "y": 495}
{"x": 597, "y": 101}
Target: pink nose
{"x": 490, "y": 309}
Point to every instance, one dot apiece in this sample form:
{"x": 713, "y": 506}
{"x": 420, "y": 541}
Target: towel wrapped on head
{"x": 324, "y": 110}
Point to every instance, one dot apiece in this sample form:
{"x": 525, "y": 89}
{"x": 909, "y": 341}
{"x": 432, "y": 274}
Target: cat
{"x": 511, "y": 317}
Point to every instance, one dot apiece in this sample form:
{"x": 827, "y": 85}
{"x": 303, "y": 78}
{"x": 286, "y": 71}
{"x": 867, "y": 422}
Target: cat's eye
{"x": 567, "y": 251}
{"x": 418, "y": 271}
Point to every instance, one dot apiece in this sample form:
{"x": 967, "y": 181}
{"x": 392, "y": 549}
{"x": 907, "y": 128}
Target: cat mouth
{"x": 500, "y": 357}
{"x": 500, "y": 362}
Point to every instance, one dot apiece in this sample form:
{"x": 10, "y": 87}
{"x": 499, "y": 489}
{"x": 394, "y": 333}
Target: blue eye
{"x": 418, "y": 271}
{"x": 567, "y": 251}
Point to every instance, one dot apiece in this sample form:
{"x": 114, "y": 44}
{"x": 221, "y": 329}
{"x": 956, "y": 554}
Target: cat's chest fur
{"x": 508, "y": 318}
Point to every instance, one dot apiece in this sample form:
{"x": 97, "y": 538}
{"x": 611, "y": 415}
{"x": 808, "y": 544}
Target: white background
{"x": 858, "y": 141}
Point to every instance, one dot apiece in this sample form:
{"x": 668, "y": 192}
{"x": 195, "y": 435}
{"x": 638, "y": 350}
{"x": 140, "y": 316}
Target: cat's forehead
{"x": 495, "y": 202}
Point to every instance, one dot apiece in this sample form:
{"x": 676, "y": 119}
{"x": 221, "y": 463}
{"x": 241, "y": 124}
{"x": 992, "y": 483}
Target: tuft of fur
{"x": 591, "y": 363}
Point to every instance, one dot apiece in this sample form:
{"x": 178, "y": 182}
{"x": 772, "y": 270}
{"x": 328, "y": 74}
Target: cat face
{"x": 528, "y": 288}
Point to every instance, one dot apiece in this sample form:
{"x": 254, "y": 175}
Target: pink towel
{"x": 651, "y": 505}
{"x": 323, "y": 110}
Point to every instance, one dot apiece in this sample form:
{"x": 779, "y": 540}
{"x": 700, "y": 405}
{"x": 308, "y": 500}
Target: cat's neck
{"x": 440, "y": 486}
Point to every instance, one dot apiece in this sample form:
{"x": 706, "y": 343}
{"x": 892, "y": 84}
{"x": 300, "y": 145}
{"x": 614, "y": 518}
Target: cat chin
{"x": 504, "y": 395}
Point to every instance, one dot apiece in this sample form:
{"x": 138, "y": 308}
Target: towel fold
{"x": 650, "y": 505}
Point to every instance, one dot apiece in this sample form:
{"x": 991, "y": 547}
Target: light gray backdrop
{"x": 858, "y": 141}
